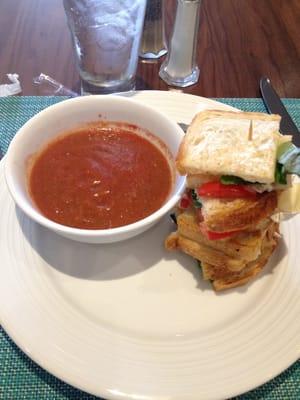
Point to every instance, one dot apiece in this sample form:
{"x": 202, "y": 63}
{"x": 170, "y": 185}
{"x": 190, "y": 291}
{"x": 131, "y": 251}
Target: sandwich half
{"x": 234, "y": 168}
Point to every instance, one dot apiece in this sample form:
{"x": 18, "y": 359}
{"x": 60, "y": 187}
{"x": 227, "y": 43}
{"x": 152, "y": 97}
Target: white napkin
{"x": 9, "y": 89}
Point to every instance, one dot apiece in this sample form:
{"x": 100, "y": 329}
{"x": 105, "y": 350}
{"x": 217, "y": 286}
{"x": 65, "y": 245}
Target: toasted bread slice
{"x": 222, "y": 215}
{"x": 203, "y": 253}
{"x": 242, "y": 144}
{"x": 247, "y": 274}
{"x": 225, "y": 275}
{"x": 243, "y": 245}
{"x": 212, "y": 272}
{"x": 250, "y": 271}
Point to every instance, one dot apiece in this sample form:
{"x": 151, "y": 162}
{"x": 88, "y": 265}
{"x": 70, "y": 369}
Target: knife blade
{"x": 275, "y": 106}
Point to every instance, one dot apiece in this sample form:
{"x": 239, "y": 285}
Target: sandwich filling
{"x": 236, "y": 165}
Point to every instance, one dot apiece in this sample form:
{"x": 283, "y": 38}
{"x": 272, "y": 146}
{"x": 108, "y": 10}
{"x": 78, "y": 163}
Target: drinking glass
{"x": 106, "y": 36}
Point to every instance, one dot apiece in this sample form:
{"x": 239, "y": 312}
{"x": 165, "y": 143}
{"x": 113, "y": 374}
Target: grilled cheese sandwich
{"x": 225, "y": 218}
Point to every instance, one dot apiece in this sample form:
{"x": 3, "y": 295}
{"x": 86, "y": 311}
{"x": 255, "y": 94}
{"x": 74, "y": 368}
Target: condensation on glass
{"x": 106, "y": 36}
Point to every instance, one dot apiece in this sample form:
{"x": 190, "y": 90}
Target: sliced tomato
{"x": 185, "y": 202}
{"x": 211, "y": 235}
{"x": 220, "y": 191}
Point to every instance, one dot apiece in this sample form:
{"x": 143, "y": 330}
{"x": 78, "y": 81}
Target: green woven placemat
{"x": 21, "y": 378}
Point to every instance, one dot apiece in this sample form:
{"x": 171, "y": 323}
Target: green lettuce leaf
{"x": 280, "y": 174}
{"x": 232, "y": 180}
{"x": 196, "y": 201}
{"x": 288, "y": 155}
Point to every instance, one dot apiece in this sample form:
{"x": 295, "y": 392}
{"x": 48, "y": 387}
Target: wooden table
{"x": 239, "y": 41}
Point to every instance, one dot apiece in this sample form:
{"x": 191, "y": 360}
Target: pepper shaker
{"x": 153, "y": 43}
{"x": 180, "y": 68}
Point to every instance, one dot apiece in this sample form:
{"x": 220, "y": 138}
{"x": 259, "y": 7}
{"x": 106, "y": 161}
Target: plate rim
{"x": 105, "y": 392}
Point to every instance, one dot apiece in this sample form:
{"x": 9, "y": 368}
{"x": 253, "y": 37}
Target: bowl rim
{"x": 38, "y": 217}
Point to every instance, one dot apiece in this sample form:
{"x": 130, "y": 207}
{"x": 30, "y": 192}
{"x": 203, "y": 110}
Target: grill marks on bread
{"x": 222, "y": 215}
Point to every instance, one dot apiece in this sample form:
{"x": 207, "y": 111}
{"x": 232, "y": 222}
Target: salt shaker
{"x": 153, "y": 43}
{"x": 180, "y": 68}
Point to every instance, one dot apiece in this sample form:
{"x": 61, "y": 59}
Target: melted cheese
{"x": 289, "y": 199}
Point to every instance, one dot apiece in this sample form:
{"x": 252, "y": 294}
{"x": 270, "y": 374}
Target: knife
{"x": 275, "y": 106}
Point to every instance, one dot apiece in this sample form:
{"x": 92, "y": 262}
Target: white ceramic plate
{"x": 131, "y": 321}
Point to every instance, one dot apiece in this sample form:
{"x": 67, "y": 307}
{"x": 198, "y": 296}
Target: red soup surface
{"x": 100, "y": 176}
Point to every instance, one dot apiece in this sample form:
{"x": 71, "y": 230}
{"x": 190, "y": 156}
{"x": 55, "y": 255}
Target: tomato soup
{"x": 100, "y": 176}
